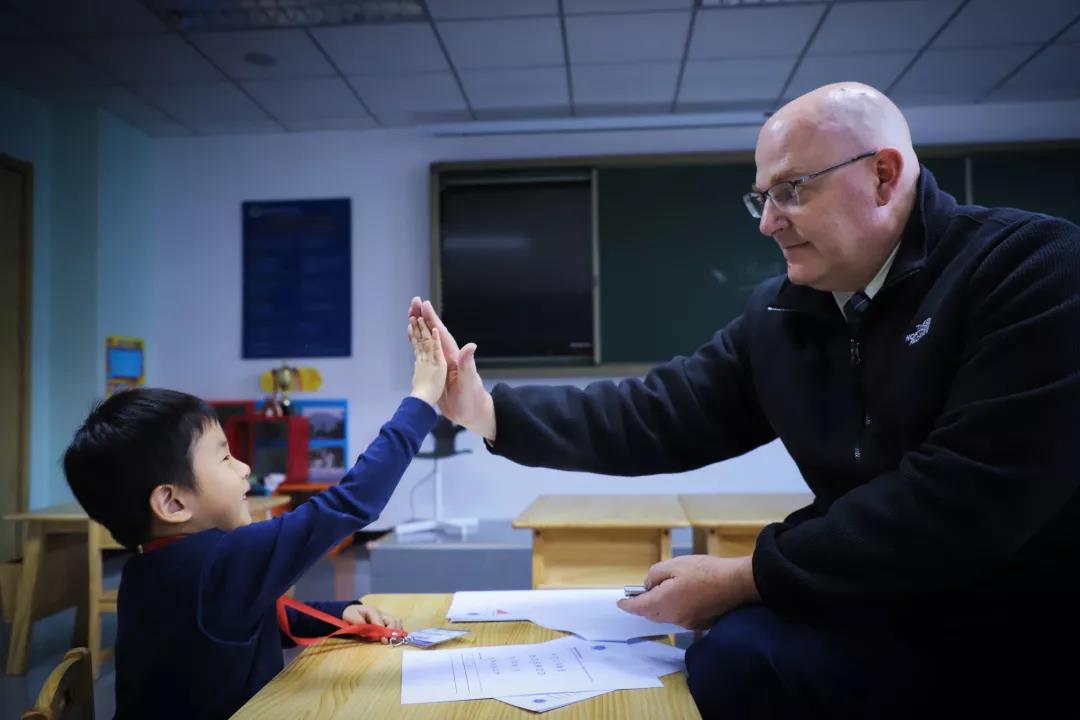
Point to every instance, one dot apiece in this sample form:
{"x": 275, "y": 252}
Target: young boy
{"x": 197, "y": 633}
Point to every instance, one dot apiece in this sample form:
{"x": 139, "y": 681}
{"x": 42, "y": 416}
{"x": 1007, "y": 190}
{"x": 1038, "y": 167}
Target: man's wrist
{"x": 746, "y": 579}
{"x": 485, "y": 424}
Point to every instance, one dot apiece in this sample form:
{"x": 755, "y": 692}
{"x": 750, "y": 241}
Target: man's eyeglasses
{"x": 785, "y": 195}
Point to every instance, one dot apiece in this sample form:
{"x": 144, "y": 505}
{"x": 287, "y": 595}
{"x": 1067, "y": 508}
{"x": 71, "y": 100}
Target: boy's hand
{"x": 368, "y": 615}
{"x": 429, "y": 372}
{"x": 465, "y": 401}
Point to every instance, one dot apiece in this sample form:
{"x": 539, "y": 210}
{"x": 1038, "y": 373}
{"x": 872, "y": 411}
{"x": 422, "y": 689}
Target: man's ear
{"x": 889, "y": 167}
{"x": 169, "y": 505}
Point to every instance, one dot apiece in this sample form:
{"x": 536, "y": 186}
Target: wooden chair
{"x": 68, "y": 692}
{"x": 99, "y": 600}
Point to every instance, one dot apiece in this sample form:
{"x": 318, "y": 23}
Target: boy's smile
{"x": 221, "y": 483}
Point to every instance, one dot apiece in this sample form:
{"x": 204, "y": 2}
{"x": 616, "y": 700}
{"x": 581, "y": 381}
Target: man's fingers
{"x": 642, "y": 605}
{"x": 432, "y": 318}
{"x": 415, "y": 307}
{"x": 466, "y": 360}
{"x": 425, "y": 332}
{"x": 658, "y": 573}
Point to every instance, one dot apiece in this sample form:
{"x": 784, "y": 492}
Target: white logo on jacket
{"x": 920, "y": 332}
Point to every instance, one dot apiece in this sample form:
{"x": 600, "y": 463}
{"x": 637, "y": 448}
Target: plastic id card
{"x": 430, "y": 636}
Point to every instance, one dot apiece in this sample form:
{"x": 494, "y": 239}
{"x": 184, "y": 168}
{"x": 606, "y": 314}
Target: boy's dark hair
{"x": 131, "y": 443}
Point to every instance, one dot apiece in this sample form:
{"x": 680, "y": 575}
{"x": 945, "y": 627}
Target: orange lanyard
{"x": 364, "y": 631}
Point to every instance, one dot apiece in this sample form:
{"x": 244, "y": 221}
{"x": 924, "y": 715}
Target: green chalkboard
{"x": 679, "y": 255}
{"x": 1046, "y": 181}
{"x": 949, "y": 173}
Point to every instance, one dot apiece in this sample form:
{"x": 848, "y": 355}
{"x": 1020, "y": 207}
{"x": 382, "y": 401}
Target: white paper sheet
{"x": 660, "y": 658}
{"x": 563, "y": 665}
{"x": 550, "y": 701}
{"x": 487, "y": 606}
{"x": 590, "y": 614}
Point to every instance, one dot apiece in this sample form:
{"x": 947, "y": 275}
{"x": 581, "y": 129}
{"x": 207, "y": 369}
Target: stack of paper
{"x": 589, "y": 614}
{"x": 547, "y": 675}
{"x": 564, "y": 665}
{"x": 660, "y": 658}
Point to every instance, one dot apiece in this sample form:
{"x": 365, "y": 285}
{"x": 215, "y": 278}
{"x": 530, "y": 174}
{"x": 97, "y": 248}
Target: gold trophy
{"x": 281, "y": 381}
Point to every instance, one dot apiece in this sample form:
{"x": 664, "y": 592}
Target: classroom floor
{"x": 344, "y": 576}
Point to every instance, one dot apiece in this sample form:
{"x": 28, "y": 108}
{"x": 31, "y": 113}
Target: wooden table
{"x": 599, "y": 540}
{"x": 57, "y": 549}
{"x": 727, "y": 524}
{"x": 345, "y": 679}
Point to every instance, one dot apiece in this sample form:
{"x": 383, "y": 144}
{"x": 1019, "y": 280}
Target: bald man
{"x": 920, "y": 363}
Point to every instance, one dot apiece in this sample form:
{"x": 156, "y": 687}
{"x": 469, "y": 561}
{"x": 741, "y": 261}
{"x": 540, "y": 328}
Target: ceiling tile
{"x": 91, "y": 17}
{"x": 397, "y": 99}
{"x": 627, "y": 38}
{"x": 733, "y": 82}
{"x": 374, "y": 49}
{"x": 517, "y": 89}
{"x": 203, "y": 102}
{"x": 611, "y": 86}
{"x": 952, "y": 77}
{"x": 168, "y": 129}
{"x": 856, "y": 27}
{"x": 305, "y": 98}
{"x": 13, "y": 27}
{"x": 237, "y": 127}
{"x": 992, "y": 22}
{"x": 295, "y": 54}
{"x": 447, "y": 9}
{"x": 44, "y": 65}
{"x": 424, "y": 117}
{"x": 753, "y": 32}
{"x": 1072, "y": 35}
{"x": 116, "y": 99}
{"x": 313, "y": 124}
{"x": 876, "y": 69}
{"x": 614, "y": 6}
{"x": 1051, "y": 75}
{"x": 150, "y": 59}
{"x": 522, "y": 42}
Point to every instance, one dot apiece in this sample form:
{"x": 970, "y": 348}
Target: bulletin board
{"x": 297, "y": 279}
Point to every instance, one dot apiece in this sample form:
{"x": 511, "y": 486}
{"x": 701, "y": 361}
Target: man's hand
{"x": 694, "y": 590}
{"x": 465, "y": 401}
{"x": 369, "y": 615}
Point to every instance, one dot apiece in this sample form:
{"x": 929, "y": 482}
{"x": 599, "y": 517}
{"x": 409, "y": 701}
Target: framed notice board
{"x": 297, "y": 279}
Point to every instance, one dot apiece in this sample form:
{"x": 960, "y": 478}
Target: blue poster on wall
{"x": 297, "y": 283}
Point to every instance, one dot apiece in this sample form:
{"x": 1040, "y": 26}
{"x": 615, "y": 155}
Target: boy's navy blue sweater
{"x": 197, "y": 633}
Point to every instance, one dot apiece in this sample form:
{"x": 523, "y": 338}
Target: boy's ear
{"x": 168, "y": 505}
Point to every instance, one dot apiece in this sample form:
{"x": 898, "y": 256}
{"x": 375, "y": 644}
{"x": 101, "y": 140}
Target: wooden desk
{"x": 727, "y": 524}
{"x": 345, "y": 679}
{"x": 599, "y": 540}
{"x": 49, "y": 532}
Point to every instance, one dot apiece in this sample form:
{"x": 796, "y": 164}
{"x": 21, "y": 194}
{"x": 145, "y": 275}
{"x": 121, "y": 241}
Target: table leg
{"x": 33, "y": 551}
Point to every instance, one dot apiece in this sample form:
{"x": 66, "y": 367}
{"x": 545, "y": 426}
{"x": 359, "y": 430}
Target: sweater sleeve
{"x": 252, "y": 566}
{"x": 997, "y": 466}
{"x": 687, "y": 413}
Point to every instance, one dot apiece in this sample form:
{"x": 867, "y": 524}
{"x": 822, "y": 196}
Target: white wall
{"x": 125, "y": 242}
{"x": 91, "y": 262}
{"x": 199, "y": 183}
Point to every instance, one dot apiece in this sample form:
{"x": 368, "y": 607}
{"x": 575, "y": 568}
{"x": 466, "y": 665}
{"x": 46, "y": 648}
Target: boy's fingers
{"x": 436, "y": 349}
